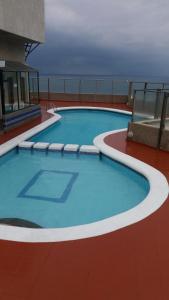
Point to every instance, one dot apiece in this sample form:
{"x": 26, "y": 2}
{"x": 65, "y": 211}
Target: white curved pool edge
{"x": 11, "y": 144}
{"x": 92, "y": 108}
{"x": 159, "y": 187}
{"x": 156, "y": 197}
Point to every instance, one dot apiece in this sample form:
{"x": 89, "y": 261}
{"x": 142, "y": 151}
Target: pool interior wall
{"x": 81, "y": 126}
{"x": 55, "y": 190}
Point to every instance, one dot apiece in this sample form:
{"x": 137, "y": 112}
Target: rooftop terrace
{"x": 131, "y": 263}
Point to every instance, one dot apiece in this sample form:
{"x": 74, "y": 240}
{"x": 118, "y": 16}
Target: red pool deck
{"x": 128, "y": 264}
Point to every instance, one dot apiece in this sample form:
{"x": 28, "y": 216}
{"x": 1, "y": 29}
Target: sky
{"x": 105, "y": 37}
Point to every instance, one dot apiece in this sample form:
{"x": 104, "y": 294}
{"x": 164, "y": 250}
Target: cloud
{"x": 105, "y": 36}
{"x": 84, "y": 58}
{"x": 112, "y": 23}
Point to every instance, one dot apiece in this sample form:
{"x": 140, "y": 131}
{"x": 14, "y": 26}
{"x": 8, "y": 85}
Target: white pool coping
{"x": 11, "y": 144}
{"x": 156, "y": 197}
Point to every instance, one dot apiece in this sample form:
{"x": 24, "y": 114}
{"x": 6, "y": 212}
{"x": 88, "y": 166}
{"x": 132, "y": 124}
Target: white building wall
{"x": 12, "y": 48}
{"x": 24, "y": 18}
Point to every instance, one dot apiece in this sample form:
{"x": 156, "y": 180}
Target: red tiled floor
{"x": 131, "y": 263}
{"x": 5, "y": 136}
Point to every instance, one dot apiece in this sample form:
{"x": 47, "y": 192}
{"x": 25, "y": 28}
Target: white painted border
{"x": 156, "y": 197}
{"x": 11, "y": 144}
{"x": 92, "y": 108}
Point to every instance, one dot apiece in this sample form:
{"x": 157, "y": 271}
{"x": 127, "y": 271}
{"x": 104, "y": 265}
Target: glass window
{"x": 34, "y": 87}
{"x": 10, "y": 85}
{"x": 21, "y": 90}
{"x": 24, "y": 99}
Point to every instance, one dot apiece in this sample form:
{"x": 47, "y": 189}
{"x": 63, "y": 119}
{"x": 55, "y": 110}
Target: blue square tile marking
{"x": 49, "y": 185}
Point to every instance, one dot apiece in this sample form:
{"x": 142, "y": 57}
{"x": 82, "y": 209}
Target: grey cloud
{"x": 127, "y": 37}
{"x": 62, "y": 54}
{"x": 139, "y": 22}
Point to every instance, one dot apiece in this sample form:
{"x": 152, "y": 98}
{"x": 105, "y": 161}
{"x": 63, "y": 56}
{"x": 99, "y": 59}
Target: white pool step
{"x": 57, "y": 147}
{"x": 71, "y": 148}
{"x": 41, "y": 146}
{"x": 89, "y": 149}
{"x": 26, "y": 145}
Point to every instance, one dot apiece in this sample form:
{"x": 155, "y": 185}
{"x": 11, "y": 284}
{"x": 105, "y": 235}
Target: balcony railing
{"x": 97, "y": 90}
{"x": 150, "y": 118}
{"x": 71, "y": 89}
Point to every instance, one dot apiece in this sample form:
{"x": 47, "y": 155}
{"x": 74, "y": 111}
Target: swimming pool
{"x": 81, "y": 126}
{"x": 66, "y": 190}
{"x": 73, "y": 196}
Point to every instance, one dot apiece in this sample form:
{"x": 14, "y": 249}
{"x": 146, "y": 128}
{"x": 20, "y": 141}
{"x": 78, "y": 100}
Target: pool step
{"x": 71, "y": 148}
{"x": 89, "y": 149}
{"x": 56, "y": 147}
{"x": 26, "y": 145}
{"x": 41, "y": 146}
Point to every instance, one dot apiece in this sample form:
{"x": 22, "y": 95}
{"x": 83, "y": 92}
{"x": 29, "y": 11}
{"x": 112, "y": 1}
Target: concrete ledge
{"x": 41, "y": 146}
{"x": 26, "y": 145}
{"x": 89, "y": 149}
{"x": 143, "y": 133}
{"x": 71, "y": 148}
{"x": 56, "y": 147}
{"x": 147, "y": 132}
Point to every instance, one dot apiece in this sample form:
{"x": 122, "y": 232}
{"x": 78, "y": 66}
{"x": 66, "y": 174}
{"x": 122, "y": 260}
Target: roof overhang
{"x": 13, "y": 66}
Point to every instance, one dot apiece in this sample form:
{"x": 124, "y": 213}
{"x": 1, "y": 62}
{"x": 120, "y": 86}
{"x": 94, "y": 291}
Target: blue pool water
{"x": 56, "y": 190}
{"x": 82, "y": 126}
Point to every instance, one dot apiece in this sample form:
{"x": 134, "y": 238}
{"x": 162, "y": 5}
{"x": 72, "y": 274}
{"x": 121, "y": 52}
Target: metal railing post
{"x": 134, "y": 104}
{"x": 163, "y": 116}
{"x": 64, "y": 86}
{"x": 48, "y": 88}
{"x": 157, "y": 102}
{"x": 130, "y": 88}
{"x": 96, "y": 90}
{"x": 79, "y": 88}
{"x": 112, "y": 90}
{"x": 144, "y": 98}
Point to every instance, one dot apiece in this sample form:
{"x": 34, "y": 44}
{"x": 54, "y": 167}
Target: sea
{"x": 98, "y": 84}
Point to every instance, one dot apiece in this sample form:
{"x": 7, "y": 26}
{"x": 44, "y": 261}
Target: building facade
{"x": 21, "y": 31}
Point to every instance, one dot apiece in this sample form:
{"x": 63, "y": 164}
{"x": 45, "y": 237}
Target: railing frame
{"x": 162, "y": 116}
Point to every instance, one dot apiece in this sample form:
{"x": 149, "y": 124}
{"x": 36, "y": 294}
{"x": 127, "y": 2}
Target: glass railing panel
{"x": 34, "y": 90}
{"x": 166, "y": 86}
{"x": 153, "y": 86}
{"x": 56, "y": 85}
{"x": 88, "y": 86}
{"x": 72, "y": 86}
{"x": 43, "y": 87}
{"x": 146, "y": 105}
{"x": 104, "y": 87}
{"x": 120, "y": 87}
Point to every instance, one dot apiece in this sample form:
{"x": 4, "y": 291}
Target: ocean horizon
{"x": 96, "y": 84}
{"x": 140, "y": 78}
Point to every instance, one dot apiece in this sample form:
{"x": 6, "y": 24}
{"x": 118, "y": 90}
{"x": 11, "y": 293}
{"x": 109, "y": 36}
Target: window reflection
{"x": 10, "y": 86}
{"x": 24, "y": 100}
{"x": 20, "y": 90}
